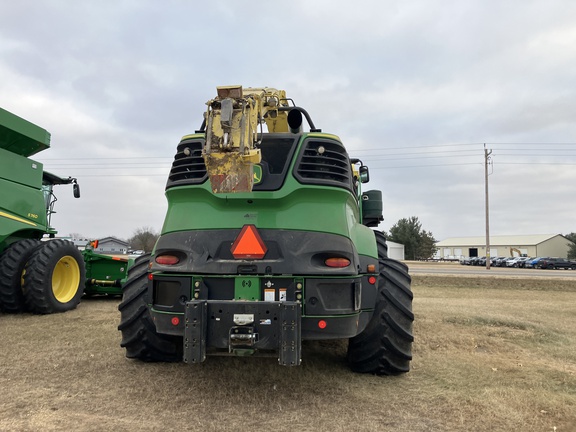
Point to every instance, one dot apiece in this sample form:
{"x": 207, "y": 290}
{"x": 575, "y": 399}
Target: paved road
{"x": 457, "y": 269}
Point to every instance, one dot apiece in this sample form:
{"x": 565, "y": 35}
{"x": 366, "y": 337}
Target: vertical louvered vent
{"x": 324, "y": 162}
{"x": 188, "y": 166}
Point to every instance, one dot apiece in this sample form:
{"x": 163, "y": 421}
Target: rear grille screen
{"x": 188, "y": 166}
{"x": 324, "y": 162}
{"x": 320, "y": 162}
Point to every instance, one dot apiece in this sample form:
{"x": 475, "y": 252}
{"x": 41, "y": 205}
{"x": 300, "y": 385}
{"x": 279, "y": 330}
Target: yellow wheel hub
{"x": 65, "y": 279}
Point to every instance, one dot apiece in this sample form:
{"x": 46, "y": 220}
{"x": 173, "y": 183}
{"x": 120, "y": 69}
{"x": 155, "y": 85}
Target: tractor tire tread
{"x": 38, "y": 294}
{"x": 385, "y": 345}
{"x": 12, "y": 263}
{"x": 139, "y": 336}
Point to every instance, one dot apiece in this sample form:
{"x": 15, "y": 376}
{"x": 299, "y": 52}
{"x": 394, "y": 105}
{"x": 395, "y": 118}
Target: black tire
{"x": 139, "y": 336}
{"x": 54, "y": 278}
{"x": 12, "y": 262}
{"x": 385, "y": 346}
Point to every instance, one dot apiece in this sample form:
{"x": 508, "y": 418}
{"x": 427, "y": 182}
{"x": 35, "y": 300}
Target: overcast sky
{"x": 414, "y": 88}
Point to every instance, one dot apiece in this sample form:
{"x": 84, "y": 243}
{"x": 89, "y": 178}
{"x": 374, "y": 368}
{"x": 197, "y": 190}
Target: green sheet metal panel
{"x": 20, "y": 169}
{"x": 247, "y": 288}
{"x": 20, "y": 136}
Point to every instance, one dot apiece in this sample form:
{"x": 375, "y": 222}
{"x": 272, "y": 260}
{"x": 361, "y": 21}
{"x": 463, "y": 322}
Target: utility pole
{"x": 487, "y": 160}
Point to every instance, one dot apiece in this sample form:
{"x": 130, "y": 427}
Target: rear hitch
{"x": 243, "y": 328}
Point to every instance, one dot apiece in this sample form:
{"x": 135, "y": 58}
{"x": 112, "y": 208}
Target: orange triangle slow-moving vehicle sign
{"x": 248, "y": 244}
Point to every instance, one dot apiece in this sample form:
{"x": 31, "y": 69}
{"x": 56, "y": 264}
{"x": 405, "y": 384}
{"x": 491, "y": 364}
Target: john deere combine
{"x": 40, "y": 276}
{"x": 267, "y": 242}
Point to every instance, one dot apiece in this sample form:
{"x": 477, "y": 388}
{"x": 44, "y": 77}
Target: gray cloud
{"x": 121, "y": 81}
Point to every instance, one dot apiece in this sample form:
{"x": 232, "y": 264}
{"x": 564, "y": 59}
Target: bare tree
{"x": 144, "y": 238}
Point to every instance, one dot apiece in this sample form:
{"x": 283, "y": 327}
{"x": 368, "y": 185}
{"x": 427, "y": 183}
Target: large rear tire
{"x": 54, "y": 278}
{"x": 12, "y": 263}
{"x": 385, "y": 345}
{"x": 139, "y": 335}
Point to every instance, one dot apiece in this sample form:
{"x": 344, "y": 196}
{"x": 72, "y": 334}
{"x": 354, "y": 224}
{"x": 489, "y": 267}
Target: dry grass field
{"x": 491, "y": 354}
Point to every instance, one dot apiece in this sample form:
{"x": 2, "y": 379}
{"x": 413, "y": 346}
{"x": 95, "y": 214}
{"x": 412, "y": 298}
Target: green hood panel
{"x": 310, "y": 208}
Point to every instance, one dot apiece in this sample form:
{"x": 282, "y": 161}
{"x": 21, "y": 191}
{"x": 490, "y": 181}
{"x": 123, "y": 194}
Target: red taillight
{"x": 150, "y": 276}
{"x": 322, "y": 324}
{"x": 167, "y": 259}
{"x": 372, "y": 280}
{"x": 337, "y": 262}
{"x": 175, "y": 321}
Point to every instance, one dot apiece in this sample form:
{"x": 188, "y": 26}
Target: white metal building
{"x": 395, "y": 250}
{"x": 552, "y": 245}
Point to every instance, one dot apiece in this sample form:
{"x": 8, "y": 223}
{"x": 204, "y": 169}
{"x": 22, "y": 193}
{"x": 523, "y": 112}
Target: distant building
{"x": 395, "y": 250}
{"x": 112, "y": 245}
{"x": 551, "y": 245}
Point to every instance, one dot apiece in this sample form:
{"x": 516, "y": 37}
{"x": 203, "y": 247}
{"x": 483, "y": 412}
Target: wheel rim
{"x": 65, "y": 279}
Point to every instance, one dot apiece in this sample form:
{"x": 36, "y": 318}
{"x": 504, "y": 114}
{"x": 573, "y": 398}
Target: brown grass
{"x": 490, "y": 354}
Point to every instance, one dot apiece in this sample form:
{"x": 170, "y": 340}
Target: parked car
{"x": 500, "y": 262}
{"x": 465, "y": 261}
{"x": 533, "y": 263}
{"x": 521, "y": 263}
{"x": 493, "y": 260}
{"x": 513, "y": 262}
{"x": 474, "y": 261}
{"x": 554, "y": 263}
{"x": 510, "y": 262}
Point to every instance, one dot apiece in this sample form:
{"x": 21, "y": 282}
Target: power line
{"x": 469, "y": 144}
{"x": 537, "y": 163}
{"x": 376, "y": 152}
{"x": 121, "y": 175}
{"x": 129, "y": 165}
{"x": 112, "y": 158}
{"x": 422, "y": 166}
{"x": 115, "y": 166}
